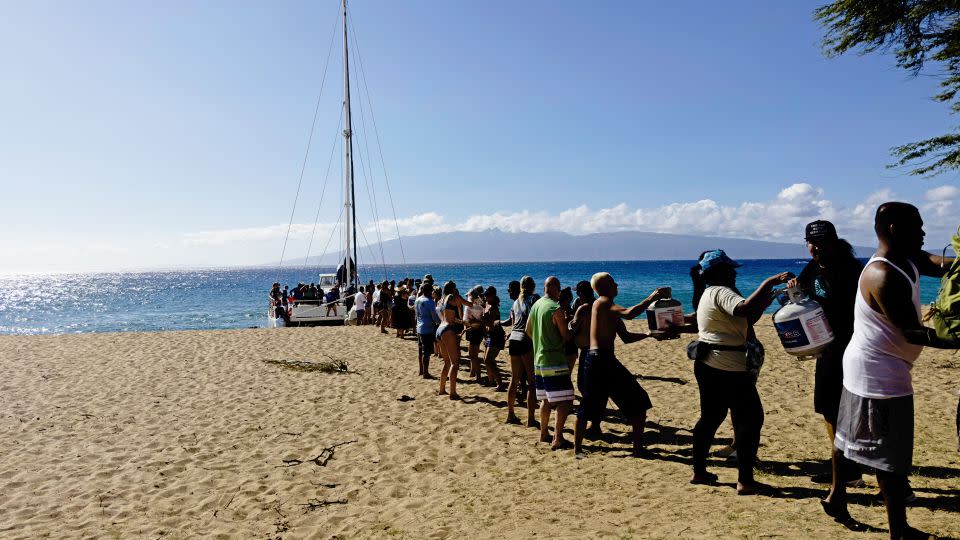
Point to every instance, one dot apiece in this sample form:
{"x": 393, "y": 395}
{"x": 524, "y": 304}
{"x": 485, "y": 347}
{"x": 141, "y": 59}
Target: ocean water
{"x": 237, "y": 298}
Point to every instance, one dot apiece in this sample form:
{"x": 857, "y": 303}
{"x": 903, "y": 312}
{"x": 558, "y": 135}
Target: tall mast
{"x": 350, "y": 215}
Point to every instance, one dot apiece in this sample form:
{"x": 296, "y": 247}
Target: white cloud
{"x": 943, "y": 193}
{"x": 941, "y": 205}
{"x": 221, "y": 237}
{"x": 781, "y": 218}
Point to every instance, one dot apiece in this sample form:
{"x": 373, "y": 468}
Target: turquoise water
{"x": 237, "y": 298}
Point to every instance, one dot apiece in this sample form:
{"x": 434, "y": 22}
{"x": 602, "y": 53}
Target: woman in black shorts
{"x": 831, "y": 278}
{"x": 496, "y": 338}
{"x": 521, "y": 352}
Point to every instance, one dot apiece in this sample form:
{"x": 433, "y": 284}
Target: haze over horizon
{"x": 142, "y": 135}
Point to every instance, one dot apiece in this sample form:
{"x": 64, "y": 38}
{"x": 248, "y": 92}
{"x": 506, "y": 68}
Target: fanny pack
{"x": 752, "y": 349}
{"x": 699, "y": 350}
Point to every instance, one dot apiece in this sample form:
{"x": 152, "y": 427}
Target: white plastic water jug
{"x": 802, "y": 326}
{"x": 663, "y": 313}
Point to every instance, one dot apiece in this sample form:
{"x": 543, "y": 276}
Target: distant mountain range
{"x": 495, "y": 245}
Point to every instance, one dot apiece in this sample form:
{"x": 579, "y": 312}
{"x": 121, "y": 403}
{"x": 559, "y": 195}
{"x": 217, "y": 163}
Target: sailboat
{"x": 345, "y": 281}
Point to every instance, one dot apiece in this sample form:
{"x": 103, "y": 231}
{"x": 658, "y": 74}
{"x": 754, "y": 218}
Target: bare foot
{"x": 912, "y": 534}
{"x": 512, "y": 419}
{"x": 593, "y": 432}
{"x": 442, "y": 393}
{"x": 561, "y": 444}
{"x": 455, "y": 397}
{"x": 546, "y": 438}
{"x": 754, "y": 488}
{"x": 704, "y": 478}
{"x": 533, "y": 424}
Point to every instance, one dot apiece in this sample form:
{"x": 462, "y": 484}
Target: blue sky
{"x": 146, "y": 134}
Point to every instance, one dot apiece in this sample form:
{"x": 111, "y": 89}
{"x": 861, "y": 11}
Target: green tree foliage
{"x": 918, "y": 33}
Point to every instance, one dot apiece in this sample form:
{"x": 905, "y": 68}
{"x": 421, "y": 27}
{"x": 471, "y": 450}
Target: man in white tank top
{"x": 875, "y": 421}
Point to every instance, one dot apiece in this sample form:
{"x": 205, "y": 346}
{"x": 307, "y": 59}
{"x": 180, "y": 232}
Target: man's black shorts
{"x": 604, "y": 375}
{"x": 425, "y": 343}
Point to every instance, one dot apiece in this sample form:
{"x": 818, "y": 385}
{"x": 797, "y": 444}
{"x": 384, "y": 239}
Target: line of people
{"x": 863, "y": 386}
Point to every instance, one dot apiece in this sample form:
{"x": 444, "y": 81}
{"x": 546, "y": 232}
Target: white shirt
{"x": 878, "y": 359}
{"x": 360, "y": 301}
{"x": 719, "y": 326}
{"x": 376, "y": 296}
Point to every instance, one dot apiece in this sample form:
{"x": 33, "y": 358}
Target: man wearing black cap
{"x": 831, "y": 279}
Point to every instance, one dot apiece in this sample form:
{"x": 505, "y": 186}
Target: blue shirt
{"x": 427, "y": 318}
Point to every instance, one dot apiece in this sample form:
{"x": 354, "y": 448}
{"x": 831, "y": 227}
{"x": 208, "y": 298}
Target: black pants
{"x": 425, "y": 345}
{"x": 721, "y": 391}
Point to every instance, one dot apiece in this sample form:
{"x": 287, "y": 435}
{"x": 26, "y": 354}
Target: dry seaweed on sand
{"x": 324, "y": 366}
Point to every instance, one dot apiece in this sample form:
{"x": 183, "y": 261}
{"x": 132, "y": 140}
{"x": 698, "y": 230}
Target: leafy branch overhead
{"x": 917, "y": 32}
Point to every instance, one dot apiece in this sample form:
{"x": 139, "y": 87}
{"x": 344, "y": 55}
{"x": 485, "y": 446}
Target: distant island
{"x": 494, "y": 245}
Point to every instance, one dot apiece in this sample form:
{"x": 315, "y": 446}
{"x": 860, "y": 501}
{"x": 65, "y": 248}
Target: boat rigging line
{"x": 306, "y": 155}
{"x": 373, "y": 118}
{"x": 323, "y": 191}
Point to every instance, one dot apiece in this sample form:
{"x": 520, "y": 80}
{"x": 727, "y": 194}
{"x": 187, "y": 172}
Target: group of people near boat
{"x": 281, "y": 300}
{"x": 863, "y": 386}
{"x": 385, "y": 304}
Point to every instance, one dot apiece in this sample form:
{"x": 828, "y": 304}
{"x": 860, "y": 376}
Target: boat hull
{"x": 315, "y": 314}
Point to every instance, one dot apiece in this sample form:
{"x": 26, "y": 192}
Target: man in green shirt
{"x": 547, "y": 328}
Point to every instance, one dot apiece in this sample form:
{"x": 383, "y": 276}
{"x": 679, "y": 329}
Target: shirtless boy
{"x": 603, "y": 374}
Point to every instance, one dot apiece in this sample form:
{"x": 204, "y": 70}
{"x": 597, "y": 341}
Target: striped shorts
{"x": 553, "y": 383}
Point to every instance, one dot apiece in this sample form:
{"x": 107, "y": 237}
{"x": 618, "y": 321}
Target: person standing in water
{"x": 547, "y": 328}
{"x": 875, "y": 417}
{"x": 603, "y": 375}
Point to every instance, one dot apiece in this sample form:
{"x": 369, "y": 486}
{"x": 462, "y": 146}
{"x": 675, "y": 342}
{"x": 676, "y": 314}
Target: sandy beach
{"x": 195, "y": 434}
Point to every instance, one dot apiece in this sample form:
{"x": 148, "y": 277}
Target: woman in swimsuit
{"x": 496, "y": 338}
{"x": 448, "y": 335}
{"x": 473, "y": 320}
{"x": 521, "y": 352}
